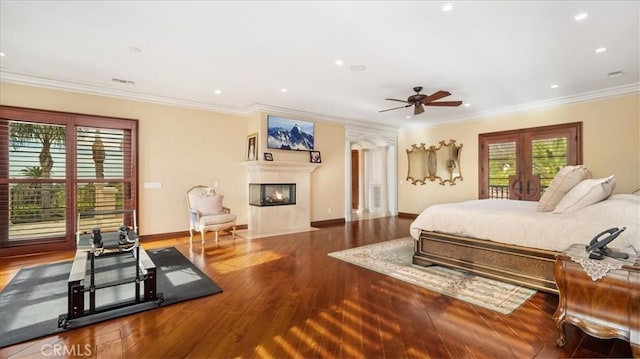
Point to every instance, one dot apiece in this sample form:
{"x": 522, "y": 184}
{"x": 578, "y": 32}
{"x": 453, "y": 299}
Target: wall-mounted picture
{"x": 315, "y": 157}
{"x": 288, "y": 134}
{"x": 252, "y": 147}
{"x": 268, "y": 156}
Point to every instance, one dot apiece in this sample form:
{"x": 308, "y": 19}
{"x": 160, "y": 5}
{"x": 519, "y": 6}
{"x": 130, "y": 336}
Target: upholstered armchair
{"x": 207, "y": 214}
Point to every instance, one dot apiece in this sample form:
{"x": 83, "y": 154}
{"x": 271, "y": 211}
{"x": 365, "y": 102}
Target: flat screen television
{"x": 288, "y": 134}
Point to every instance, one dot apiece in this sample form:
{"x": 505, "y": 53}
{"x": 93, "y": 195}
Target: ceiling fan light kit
{"x": 418, "y": 100}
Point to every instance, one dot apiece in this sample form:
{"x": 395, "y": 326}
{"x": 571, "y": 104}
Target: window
{"x": 54, "y": 165}
{"x": 520, "y": 164}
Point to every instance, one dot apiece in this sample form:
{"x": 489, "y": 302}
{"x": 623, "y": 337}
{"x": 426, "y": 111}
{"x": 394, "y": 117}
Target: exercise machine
{"x": 118, "y": 249}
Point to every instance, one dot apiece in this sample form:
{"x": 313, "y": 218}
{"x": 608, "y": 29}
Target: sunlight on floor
{"x": 245, "y": 261}
{"x": 245, "y": 233}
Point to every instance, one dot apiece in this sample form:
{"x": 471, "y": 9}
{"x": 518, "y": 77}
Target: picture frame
{"x": 314, "y": 157}
{"x": 290, "y": 134}
{"x": 252, "y": 147}
{"x": 268, "y": 156}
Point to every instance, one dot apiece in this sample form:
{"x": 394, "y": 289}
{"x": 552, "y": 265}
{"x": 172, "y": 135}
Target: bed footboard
{"x": 523, "y": 266}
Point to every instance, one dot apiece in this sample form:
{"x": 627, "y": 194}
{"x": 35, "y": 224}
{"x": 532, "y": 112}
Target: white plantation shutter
{"x": 91, "y": 166}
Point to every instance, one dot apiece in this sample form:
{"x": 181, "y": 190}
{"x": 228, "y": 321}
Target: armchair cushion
{"x": 209, "y": 204}
{"x": 217, "y": 219}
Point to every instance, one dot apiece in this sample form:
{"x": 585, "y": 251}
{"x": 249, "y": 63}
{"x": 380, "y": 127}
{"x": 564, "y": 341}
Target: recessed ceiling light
{"x": 467, "y": 104}
{"x": 581, "y": 16}
{"x": 554, "y": 86}
{"x": 217, "y": 92}
{"x": 407, "y": 117}
{"x": 283, "y": 90}
{"x": 601, "y": 49}
{"x": 447, "y": 7}
{"x": 2, "y": 54}
{"x": 339, "y": 62}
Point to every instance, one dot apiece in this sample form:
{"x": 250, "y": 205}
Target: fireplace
{"x": 267, "y": 218}
{"x": 272, "y": 194}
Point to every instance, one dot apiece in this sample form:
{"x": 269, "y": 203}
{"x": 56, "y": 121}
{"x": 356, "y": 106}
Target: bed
{"x": 514, "y": 242}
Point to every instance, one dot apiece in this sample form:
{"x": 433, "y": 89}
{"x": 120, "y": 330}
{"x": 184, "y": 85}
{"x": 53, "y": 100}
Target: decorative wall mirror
{"x": 432, "y": 163}
{"x": 451, "y": 162}
{"x": 417, "y": 156}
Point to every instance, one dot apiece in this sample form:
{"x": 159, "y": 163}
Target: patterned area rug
{"x": 394, "y": 258}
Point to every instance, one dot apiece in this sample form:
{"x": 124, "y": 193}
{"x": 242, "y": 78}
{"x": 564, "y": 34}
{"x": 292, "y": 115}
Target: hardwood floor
{"x": 284, "y": 297}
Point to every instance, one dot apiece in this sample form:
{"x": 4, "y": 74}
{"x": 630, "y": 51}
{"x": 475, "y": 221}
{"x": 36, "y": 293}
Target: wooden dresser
{"x": 606, "y": 308}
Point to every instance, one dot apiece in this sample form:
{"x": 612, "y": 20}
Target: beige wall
{"x": 182, "y": 147}
{"x": 611, "y": 145}
{"x": 327, "y": 181}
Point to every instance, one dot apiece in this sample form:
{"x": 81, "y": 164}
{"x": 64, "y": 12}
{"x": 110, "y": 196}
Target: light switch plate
{"x": 152, "y": 185}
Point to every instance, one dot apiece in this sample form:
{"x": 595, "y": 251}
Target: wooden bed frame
{"x": 529, "y": 267}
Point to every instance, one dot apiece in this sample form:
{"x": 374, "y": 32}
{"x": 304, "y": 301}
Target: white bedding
{"x": 518, "y": 222}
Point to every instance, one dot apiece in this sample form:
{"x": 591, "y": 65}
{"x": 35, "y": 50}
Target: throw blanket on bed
{"x": 519, "y": 222}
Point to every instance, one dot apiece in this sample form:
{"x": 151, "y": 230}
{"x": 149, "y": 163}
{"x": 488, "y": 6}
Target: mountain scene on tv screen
{"x": 290, "y": 139}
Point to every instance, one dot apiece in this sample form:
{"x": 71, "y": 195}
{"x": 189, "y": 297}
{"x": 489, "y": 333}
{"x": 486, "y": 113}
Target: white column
{"x": 384, "y": 203}
{"x": 392, "y": 180}
{"x": 347, "y": 184}
{"x": 361, "y": 182}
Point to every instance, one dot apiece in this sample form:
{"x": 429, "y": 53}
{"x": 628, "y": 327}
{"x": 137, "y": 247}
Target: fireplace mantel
{"x": 294, "y": 217}
{"x": 280, "y": 166}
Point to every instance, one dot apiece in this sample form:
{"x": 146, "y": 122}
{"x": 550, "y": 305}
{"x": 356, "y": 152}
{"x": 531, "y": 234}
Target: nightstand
{"x": 606, "y": 308}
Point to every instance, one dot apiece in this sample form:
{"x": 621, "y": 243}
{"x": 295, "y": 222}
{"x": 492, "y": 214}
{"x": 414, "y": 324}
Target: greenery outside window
{"x": 54, "y": 165}
{"x": 520, "y": 164}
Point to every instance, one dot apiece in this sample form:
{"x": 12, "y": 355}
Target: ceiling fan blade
{"x": 393, "y": 99}
{"x": 395, "y": 108}
{"x": 436, "y": 96}
{"x": 445, "y": 103}
{"x": 419, "y": 109}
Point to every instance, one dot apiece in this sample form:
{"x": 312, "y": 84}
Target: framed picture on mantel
{"x": 252, "y": 147}
{"x": 315, "y": 156}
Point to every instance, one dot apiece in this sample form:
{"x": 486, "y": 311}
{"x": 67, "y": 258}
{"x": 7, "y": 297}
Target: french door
{"x": 54, "y": 165}
{"x": 520, "y": 164}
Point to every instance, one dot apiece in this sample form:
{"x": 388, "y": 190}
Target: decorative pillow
{"x": 586, "y": 193}
{"x": 209, "y": 204}
{"x": 565, "y": 179}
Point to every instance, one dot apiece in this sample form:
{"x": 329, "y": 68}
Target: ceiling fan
{"x": 419, "y": 99}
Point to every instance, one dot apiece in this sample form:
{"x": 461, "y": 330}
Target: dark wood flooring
{"x": 285, "y": 298}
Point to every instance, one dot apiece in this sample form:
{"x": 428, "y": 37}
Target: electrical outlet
{"x": 329, "y": 210}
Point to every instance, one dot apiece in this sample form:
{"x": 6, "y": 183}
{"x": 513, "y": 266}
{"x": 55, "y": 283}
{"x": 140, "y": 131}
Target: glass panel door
{"x": 520, "y": 164}
{"x": 103, "y": 163}
{"x": 503, "y": 163}
{"x": 35, "y": 188}
{"x": 548, "y": 156}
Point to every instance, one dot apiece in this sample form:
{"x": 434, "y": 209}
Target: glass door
{"x": 521, "y": 164}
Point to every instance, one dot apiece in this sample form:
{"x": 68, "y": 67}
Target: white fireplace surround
{"x": 277, "y": 219}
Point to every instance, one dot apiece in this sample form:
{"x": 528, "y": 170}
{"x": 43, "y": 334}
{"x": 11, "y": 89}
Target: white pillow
{"x": 209, "y": 204}
{"x": 567, "y": 178}
{"x": 586, "y": 193}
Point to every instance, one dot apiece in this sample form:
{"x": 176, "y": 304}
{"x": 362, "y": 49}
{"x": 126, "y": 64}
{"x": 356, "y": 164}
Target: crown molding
{"x": 349, "y": 123}
{"x": 633, "y": 88}
{"x": 93, "y": 89}
{"x": 354, "y": 126}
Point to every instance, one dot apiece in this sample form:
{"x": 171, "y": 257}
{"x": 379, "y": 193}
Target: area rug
{"x": 31, "y": 303}
{"x": 394, "y": 258}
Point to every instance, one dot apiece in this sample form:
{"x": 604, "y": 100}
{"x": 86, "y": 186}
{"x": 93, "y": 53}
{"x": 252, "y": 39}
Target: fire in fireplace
{"x": 272, "y": 194}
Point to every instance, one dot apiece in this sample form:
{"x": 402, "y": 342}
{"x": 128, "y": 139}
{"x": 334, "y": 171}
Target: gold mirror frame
{"x": 424, "y": 163}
